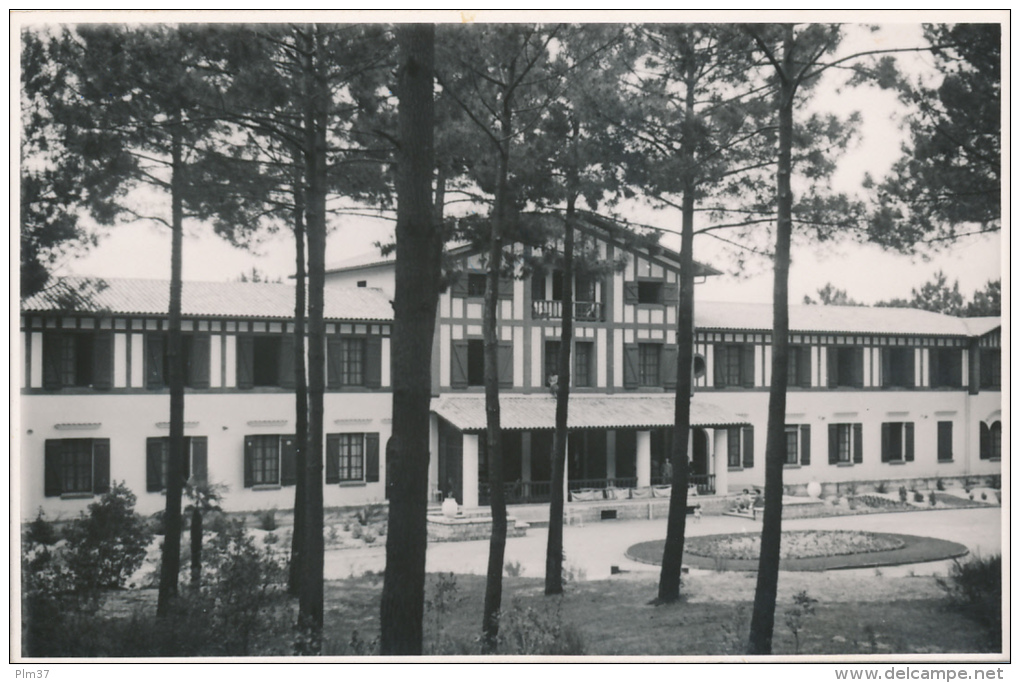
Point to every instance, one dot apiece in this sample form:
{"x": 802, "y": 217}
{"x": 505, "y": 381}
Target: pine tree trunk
{"x": 300, "y": 388}
{"x": 171, "y": 561}
{"x": 196, "y": 547}
{"x": 311, "y": 605}
{"x": 763, "y": 615}
{"x": 676, "y": 525}
{"x": 554, "y": 542}
{"x": 416, "y": 297}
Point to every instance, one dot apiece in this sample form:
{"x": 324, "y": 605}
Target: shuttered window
{"x": 897, "y": 441}
{"x": 846, "y": 443}
{"x": 734, "y": 365}
{"x": 269, "y": 460}
{"x": 798, "y": 444}
{"x": 347, "y": 458}
{"x": 649, "y": 358}
{"x": 76, "y": 466}
{"x": 77, "y": 358}
{"x": 945, "y": 441}
{"x": 157, "y": 456}
{"x": 194, "y": 360}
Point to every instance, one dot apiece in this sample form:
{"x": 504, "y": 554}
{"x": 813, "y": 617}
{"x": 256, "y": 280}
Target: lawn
{"x": 855, "y": 615}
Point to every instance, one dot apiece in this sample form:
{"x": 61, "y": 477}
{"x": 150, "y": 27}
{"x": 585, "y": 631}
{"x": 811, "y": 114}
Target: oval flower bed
{"x": 795, "y": 544}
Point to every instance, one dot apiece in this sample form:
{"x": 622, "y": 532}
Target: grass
{"x": 613, "y": 618}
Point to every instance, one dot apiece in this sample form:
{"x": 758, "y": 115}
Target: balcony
{"x": 545, "y": 309}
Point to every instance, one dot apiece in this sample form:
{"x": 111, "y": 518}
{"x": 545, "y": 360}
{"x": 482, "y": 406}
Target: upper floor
{"x": 88, "y": 335}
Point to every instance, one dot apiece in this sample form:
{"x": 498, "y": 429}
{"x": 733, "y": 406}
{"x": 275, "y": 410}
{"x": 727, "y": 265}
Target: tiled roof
{"x": 981, "y": 326}
{"x": 538, "y": 411}
{"x": 847, "y": 319}
{"x": 222, "y": 299}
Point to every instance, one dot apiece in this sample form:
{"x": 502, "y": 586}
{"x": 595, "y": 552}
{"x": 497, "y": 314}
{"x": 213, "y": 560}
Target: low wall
{"x": 469, "y": 528}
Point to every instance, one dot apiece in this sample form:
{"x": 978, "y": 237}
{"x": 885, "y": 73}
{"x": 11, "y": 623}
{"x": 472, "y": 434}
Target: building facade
{"x": 876, "y": 395}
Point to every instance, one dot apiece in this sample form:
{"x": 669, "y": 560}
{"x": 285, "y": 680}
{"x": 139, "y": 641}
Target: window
{"x": 945, "y": 368}
{"x": 76, "y": 467}
{"x": 740, "y": 447}
{"x": 476, "y": 284}
{"x": 194, "y": 360}
{"x": 734, "y": 365}
{"x": 584, "y": 353}
{"x": 650, "y": 292}
{"x": 76, "y": 358}
{"x": 352, "y": 458}
{"x": 897, "y": 441}
{"x": 897, "y": 367}
{"x": 798, "y": 445}
{"x": 269, "y": 461}
{"x": 798, "y": 369}
{"x": 352, "y": 361}
{"x": 991, "y": 441}
{"x": 467, "y": 363}
{"x": 846, "y": 443}
{"x": 990, "y": 361}
{"x": 648, "y": 364}
{"x": 552, "y": 358}
{"x": 945, "y": 441}
{"x": 265, "y": 361}
{"x": 845, "y": 366}
{"x": 157, "y": 453}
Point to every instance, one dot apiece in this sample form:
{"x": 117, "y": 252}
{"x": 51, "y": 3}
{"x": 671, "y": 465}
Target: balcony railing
{"x": 521, "y": 492}
{"x": 545, "y": 309}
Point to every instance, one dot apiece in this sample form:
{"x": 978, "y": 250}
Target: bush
{"x": 903, "y": 494}
{"x": 368, "y": 536}
{"x": 356, "y": 530}
{"x": 40, "y": 531}
{"x": 527, "y": 631}
{"x": 107, "y": 545}
{"x": 881, "y": 487}
{"x": 975, "y": 589}
{"x": 918, "y": 497}
{"x": 940, "y": 485}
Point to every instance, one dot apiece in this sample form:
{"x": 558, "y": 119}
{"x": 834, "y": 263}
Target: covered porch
{"x": 617, "y": 447}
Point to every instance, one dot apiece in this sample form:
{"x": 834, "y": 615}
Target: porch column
{"x": 433, "y": 457}
{"x": 525, "y": 456}
{"x": 721, "y": 466}
{"x": 469, "y": 472}
{"x": 644, "y": 458}
{"x": 610, "y": 453}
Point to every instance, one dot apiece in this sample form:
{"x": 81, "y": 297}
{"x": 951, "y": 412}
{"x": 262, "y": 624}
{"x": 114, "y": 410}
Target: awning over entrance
{"x": 537, "y": 411}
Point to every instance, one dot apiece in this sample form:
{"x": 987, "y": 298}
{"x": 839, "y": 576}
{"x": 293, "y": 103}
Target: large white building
{"x": 876, "y": 395}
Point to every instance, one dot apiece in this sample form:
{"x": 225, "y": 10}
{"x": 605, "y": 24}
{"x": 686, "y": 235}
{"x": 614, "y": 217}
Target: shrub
{"x": 267, "y": 519}
{"x": 918, "y": 497}
{"x": 527, "y": 631}
{"x": 903, "y": 494}
{"x": 975, "y": 589}
{"x": 356, "y": 530}
{"x": 796, "y": 616}
{"x": 40, "y": 531}
{"x": 940, "y": 485}
{"x": 368, "y": 536}
{"x": 931, "y": 497}
{"x": 270, "y": 538}
{"x": 513, "y": 569}
{"x": 439, "y": 602}
{"x": 881, "y": 487}
{"x": 107, "y": 545}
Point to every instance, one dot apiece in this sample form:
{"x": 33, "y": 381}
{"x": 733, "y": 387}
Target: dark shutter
{"x": 748, "y": 446}
{"x": 886, "y": 442}
{"x": 805, "y": 444}
{"x": 631, "y": 360}
{"x": 245, "y": 362}
{"x": 669, "y": 366}
{"x": 333, "y": 354}
{"x": 670, "y": 294}
{"x": 887, "y": 377}
{"x": 51, "y": 362}
{"x": 372, "y": 457}
{"x": 373, "y": 362}
{"x": 910, "y": 378}
{"x": 955, "y": 368}
{"x": 985, "y": 449}
{"x": 934, "y": 367}
{"x": 804, "y": 366}
{"x": 154, "y": 464}
{"x": 285, "y": 365}
{"x": 459, "y": 287}
{"x": 719, "y": 363}
{"x": 332, "y": 458}
{"x": 945, "y": 441}
{"x": 102, "y": 359}
{"x": 747, "y": 365}
{"x": 908, "y": 438}
{"x": 832, "y": 366}
{"x": 249, "y": 464}
{"x": 199, "y": 459}
{"x": 198, "y": 371}
{"x": 100, "y": 465}
{"x": 858, "y": 356}
{"x": 630, "y": 292}
{"x": 154, "y": 344}
{"x": 505, "y": 362}
{"x": 458, "y": 364}
{"x": 288, "y": 461}
{"x": 833, "y": 444}
{"x": 53, "y": 481}
{"x": 506, "y": 288}
{"x": 858, "y": 443}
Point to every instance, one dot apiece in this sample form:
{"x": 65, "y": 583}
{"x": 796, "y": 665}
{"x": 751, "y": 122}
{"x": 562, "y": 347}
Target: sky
{"x": 865, "y": 271}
